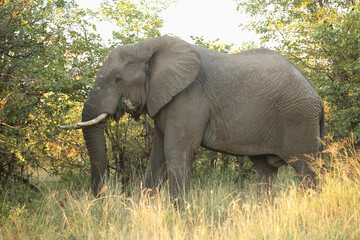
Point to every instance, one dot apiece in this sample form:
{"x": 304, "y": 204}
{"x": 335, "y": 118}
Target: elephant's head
{"x": 148, "y": 75}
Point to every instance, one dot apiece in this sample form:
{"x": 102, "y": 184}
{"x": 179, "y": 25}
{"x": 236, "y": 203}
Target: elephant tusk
{"x": 87, "y": 123}
{"x": 70, "y": 127}
{"x": 93, "y": 121}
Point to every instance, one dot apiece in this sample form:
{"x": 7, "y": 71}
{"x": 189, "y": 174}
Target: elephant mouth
{"x": 125, "y": 105}
{"x": 91, "y": 122}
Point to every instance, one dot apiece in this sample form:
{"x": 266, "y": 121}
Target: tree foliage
{"x": 322, "y": 38}
{"x": 27, "y": 34}
{"x": 135, "y": 20}
{"x": 50, "y": 52}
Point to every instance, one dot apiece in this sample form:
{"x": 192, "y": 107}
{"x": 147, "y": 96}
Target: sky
{"x": 211, "y": 19}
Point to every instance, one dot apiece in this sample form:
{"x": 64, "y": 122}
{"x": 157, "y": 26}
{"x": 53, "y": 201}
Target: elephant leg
{"x": 183, "y": 129}
{"x": 267, "y": 173}
{"x": 178, "y": 161}
{"x": 156, "y": 168}
{"x": 179, "y": 155}
{"x": 304, "y": 170}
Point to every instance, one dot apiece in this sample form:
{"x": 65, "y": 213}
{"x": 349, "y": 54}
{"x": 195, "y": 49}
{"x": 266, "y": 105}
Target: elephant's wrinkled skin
{"x": 255, "y": 103}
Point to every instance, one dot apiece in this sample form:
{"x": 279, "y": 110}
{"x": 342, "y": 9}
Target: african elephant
{"x": 255, "y": 103}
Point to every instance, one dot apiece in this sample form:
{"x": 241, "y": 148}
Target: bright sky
{"x": 209, "y": 18}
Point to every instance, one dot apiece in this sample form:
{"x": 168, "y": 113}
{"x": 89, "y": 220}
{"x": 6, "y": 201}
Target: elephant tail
{"x": 322, "y": 133}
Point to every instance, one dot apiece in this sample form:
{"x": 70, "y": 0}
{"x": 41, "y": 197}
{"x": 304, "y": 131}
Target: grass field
{"x": 218, "y": 207}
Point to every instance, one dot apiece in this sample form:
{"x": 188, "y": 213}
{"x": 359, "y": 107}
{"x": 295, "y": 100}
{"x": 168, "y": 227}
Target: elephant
{"x": 254, "y": 103}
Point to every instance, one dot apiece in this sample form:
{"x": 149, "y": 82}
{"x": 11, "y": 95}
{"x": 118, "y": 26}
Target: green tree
{"x": 135, "y": 20}
{"x": 49, "y": 54}
{"x": 322, "y": 38}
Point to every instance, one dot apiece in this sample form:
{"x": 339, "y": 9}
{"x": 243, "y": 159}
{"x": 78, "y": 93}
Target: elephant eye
{"x": 118, "y": 79}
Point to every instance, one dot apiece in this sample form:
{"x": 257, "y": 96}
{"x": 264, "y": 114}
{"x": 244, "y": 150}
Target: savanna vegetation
{"x": 50, "y": 51}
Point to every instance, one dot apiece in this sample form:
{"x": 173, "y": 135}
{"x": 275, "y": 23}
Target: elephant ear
{"x": 174, "y": 66}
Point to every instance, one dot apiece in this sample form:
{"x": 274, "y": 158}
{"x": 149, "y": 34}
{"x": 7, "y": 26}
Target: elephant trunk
{"x": 96, "y": 145}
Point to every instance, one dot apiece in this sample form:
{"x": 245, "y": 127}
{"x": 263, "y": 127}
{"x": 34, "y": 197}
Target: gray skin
{"x": 255, "y": 103}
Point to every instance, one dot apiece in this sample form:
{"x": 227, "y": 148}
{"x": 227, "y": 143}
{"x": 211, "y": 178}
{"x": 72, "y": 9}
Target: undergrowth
{"x": 218, "y": 207}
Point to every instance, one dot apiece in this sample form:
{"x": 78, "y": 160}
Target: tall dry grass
{"x": 217, "y": 208}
